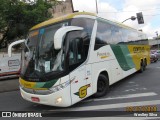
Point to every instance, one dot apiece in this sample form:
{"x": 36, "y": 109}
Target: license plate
{"x": 35, "y": 99}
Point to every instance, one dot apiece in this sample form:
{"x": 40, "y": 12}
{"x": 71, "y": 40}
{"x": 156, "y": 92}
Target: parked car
{"x": 156, "y": 52}
{"x": 153, "y": 57}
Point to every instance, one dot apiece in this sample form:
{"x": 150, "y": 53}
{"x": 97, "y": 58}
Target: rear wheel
{"x": 145, "y": 64}
{"x": 142, "y": 67}
{"x": 102, "y": 86}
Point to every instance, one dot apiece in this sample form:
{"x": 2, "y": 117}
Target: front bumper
{"x": 50, "y": 99}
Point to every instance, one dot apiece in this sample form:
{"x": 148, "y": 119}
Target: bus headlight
{"x": 58, "y": 100}
{"x": 59, "y": 87}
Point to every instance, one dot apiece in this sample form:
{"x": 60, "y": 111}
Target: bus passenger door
{"x": 77, "y": 68}
{"x": 88, "y": 78}
{"x": 78, "y": 84}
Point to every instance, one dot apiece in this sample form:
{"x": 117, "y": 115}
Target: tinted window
{"x": 103, "y": 36}
{"x": 32, "y": 39}
{"x": 86, "y": 23}
{"x": 76, "y": 52}
{"x": 116, "y": 35}
{"x": 124, "y": 36}
{"x": 133, "y": 37}
{"x": 47, "y": 36}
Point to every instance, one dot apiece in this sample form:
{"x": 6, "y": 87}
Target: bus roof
{"x": 116, "y": 23}
{"x": 119, "y": 24}
{"x": 68, "y": 16}
{"x": 54, "y": 20}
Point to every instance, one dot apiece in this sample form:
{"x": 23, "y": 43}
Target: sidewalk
{"x": 9, "y": 85}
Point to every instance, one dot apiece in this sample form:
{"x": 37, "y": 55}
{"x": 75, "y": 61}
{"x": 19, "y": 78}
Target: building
{"x": 154, "y": 43}
{"x": 63, "y": 8}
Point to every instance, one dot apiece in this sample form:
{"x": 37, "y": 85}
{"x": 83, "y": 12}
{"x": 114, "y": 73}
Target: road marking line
{"x": 124, "y": 96}
{"x": 136, "y": 85}
{"x": 131, "y": 82}
{"x": 157, "y": 67}
{"x": 110, "y": 106}
{"x": 135, "y": 89}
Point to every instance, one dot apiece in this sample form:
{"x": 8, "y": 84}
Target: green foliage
{"x": 17, "y": 17}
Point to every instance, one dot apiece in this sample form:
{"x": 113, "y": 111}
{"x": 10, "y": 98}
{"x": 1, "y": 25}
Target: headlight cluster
{"x": 59, "y": 87}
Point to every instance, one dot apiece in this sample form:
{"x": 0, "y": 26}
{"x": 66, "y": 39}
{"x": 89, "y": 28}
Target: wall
{"x": 65, "y": 7}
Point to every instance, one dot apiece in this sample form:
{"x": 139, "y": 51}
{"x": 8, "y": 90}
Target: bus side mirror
{"x": 61, "y": 33}
{"x": 12, "y": 44}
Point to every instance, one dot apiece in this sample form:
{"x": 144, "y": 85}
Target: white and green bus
{"x": 70, "y": 58}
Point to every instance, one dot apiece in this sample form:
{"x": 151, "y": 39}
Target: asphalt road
{"x": 139, "y": 89}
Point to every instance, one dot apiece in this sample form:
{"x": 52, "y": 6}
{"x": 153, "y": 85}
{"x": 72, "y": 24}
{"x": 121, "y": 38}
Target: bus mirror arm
{"x": 61, "y": 33}
{"x": 12, "y": 44}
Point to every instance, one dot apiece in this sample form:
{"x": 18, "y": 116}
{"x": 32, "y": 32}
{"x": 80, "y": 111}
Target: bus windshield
{"x": 39, "y": 58}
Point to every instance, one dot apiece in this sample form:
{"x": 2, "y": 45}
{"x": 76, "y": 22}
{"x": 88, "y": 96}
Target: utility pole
{"x": 96, "y": 7}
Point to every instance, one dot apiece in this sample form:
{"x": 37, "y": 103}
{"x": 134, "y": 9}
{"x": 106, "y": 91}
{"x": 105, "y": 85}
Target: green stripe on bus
{"x": 127, "y": 56}
{"x": 123, "y": 57}
{"x": 39, "y": 85}
{"x": 49, "y": 84}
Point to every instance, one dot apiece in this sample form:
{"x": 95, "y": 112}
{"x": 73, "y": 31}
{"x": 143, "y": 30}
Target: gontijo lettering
{"x": 138, "y": 49}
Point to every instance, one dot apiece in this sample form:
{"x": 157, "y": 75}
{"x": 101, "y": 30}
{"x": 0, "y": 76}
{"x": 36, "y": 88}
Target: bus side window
{"x": 79, "y": 46}
{"x": 103, "y": 36}
{"x": 72, "y": 56}
{"x": 116, "y": 35}
{"x": 87, "y": 24}
{"x": 76, "y": 49}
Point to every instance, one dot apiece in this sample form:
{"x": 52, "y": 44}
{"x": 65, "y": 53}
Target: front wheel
{"x": 102, "y": 86}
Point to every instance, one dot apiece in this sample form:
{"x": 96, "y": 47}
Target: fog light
{"x": 58, "y": 100}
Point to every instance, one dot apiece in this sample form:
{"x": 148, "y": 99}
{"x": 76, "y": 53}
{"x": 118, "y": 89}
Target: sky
{"x": 119, "y": 10}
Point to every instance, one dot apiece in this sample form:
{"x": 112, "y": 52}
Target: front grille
{"x": 38, "y": 92}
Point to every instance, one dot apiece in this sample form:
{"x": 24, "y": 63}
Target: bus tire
{"x": 145, "y": 64}
{"x": 102, "y": 86}
{"x": 142, "y": 68}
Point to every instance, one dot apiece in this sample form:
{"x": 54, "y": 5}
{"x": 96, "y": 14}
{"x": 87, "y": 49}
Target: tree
{"x": 17, "y": 17}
